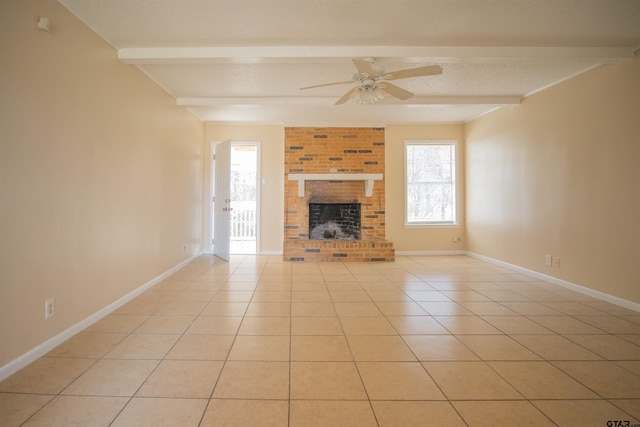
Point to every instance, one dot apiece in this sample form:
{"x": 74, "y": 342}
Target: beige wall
{"x": 422, "y": 239}
{"x": 271, "y": 138}
{"x": 559, "y": 175}
{"x": 100, "y": 176}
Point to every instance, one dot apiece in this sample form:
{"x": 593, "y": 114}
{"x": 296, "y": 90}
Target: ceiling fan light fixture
{"x": 369, "y": 94}
{"x": 378, "y": 92}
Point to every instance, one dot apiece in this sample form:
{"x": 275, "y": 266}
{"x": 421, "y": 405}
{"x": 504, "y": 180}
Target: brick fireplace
{"x": 341, "y": 170}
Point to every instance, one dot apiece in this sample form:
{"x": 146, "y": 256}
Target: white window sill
{"x": 431, "y": 225}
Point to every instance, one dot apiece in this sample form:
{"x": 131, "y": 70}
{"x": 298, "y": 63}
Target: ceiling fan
{"x": 373, "y": 82}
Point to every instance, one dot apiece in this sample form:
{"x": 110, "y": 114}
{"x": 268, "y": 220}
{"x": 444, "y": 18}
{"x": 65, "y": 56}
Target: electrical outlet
{"x": 547, "y": 260}
{"x": 49, "y": 309}
{"x": 184, "y": 248}
{"x": 556, "y": 262}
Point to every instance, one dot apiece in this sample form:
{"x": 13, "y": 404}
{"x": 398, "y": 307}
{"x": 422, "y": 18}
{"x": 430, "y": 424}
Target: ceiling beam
{"x": 294, "y": 100}
{"x": 441, "y": 54}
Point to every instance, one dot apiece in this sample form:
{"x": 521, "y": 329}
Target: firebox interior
{"x": 339, "y": 221}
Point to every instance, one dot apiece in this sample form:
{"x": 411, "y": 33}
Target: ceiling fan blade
{"x": 346, "y": 96}
{"x": 430, "y": 70}
{"x": 325, "y": 84}
{"x": 364, "y": 67}
{"x": 397, "y": 92}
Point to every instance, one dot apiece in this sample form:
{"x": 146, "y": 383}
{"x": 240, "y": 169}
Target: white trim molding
{"x": 565, "y": 284}
{"x": 429, "y": 253}
{"x": 42, "y": 349}
{"x": 271, "y": 253}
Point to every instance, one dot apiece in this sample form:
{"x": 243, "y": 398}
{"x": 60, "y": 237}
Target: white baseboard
{"x": 429, "y": 253}
{"x": 565, "y": 284}
{"x": 271, "y": 252}
{"x": 42, "y": 349}
{"x": 261, "y": 253}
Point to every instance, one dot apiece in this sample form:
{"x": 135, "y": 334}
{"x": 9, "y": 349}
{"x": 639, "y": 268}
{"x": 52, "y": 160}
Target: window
{"x": 430, "y": 171}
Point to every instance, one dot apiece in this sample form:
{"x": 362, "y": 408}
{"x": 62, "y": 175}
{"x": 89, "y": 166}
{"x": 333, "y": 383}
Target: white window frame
{"x": 454, "y": 175}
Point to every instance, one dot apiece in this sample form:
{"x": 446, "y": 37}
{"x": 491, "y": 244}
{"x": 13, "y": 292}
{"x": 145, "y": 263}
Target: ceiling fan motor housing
{"x": 368, "y": 82}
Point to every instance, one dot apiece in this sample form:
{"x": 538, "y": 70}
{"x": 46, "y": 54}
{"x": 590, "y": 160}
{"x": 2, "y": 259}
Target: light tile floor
{"x": 423, "y": 341}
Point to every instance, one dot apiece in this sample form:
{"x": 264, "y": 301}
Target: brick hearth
{"x": 335, "y": 151}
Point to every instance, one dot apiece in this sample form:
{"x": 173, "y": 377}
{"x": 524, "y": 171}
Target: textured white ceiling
{"x": 243, "y": 61}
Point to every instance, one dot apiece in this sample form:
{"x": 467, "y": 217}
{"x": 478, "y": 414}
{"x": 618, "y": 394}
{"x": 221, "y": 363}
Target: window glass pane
{"x": 430, "y": 183}
{"x": 430, "y": 202}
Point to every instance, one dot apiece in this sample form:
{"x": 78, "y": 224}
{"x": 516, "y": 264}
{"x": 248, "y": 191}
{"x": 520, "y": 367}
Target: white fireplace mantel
{"x": 368, "y": 178}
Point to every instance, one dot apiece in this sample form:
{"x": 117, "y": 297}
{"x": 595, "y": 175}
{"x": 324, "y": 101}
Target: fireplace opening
{"x": 334, "y": 221}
